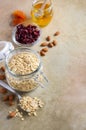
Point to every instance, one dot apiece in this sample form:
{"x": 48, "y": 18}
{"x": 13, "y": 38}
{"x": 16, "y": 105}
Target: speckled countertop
{"x": 64, "y": 65}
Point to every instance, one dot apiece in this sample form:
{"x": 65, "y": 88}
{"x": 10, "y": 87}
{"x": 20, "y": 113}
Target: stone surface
{"x": 64, "y": 65}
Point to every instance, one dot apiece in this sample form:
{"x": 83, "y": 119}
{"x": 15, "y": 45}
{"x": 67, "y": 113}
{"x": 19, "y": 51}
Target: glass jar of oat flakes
{"x": 24, "y": 69}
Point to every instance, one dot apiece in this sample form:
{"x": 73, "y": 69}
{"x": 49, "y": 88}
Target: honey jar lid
{"x": 5, "y": 48}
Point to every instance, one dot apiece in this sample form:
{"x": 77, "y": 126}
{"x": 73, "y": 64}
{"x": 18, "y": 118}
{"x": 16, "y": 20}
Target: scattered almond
{"x": 50, "y": 45}
{"x": 54, "y": 42}
{"x": 5, "y": 98}
{"x": 56, "y": 33}
{"x": 42, "y": 53}
{"x": 44, "y": 44}
{"x": 48, "y": 38}
{"x": 3, "y": 69}
{"x": 11, "y": 97}
{"x": 2, "y": 77}
{"x": 12, "y": 114}
{"x": 3, "y": 90}
{"x": 45, "y": 49}
{"x": 11, "y": 103}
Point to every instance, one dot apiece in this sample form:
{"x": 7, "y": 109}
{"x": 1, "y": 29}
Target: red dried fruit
{"x": 27, "y": 34}
{"x": 17, "y": 21}
{"x": 19, "y": 14}
{"x": 18, "y": 17}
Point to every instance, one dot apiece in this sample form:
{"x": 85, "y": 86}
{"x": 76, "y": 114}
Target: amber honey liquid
{"x": 46, "y": 16}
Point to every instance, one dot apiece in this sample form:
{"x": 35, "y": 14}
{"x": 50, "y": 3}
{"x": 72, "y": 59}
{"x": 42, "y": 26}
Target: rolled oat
{"x": 22, "y": 65}
{"x": 30, "y": 105}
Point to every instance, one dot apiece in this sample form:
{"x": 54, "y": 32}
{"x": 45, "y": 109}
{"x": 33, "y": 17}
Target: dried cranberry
{"x": 27, "y": 34}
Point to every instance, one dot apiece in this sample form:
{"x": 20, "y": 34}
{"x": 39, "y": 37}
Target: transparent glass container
{"x": 42, "y": 15}
{"x": 25, "y": 81}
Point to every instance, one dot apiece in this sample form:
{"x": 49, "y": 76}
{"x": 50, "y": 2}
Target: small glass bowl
{"x": 29, "y": 44}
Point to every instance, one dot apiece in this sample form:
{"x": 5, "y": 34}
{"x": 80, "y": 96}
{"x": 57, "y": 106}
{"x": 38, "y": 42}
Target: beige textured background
{"x": 64, "y": 65}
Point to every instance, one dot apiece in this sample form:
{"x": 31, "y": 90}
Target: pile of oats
{"x": 29, "y": 105}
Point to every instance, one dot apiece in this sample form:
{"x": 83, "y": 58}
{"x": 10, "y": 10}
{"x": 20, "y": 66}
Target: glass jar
{"x": 24, "y": 70}
{"x": 42, "y": 15}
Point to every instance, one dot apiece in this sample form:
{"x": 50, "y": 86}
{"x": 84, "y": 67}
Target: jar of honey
{"x": 42, "y": 13}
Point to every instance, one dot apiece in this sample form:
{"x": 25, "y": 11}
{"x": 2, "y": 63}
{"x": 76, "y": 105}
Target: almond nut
{"x": 12, "y": 114}
{"x": 45, "y": 49}
{"x": 50, "y": 45}
{"x": 5, "y": 98}
{"x": 11, "y": 97}
{"x": 43, "y": 44}
{"x": 56, "y": 33}
{"x": 3, "y": 90}
{"x": 54, "y": 42}
{"x": 42, "y": 53}
{"x": 11, "y": 103}
{"x": 2, "y": 77}
{"x": 48, "y": 38}
{"x": 3, "y": 69}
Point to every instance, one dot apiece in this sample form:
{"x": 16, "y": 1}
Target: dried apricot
{"x": 18, "y": 17}
{"x": 19, "y": 14}
{"x": 17, "y": 21}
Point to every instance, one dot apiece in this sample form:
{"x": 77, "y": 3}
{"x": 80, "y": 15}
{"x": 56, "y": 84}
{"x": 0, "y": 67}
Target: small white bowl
{"x": 25, "y": 44}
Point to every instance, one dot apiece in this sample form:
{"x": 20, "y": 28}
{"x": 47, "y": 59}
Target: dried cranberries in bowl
{"x": 26, "y": 35}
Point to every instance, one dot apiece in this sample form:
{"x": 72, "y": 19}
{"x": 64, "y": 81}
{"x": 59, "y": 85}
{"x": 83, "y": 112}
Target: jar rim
{"x": 41, "y": 1}
{"x": 22, "y": 50}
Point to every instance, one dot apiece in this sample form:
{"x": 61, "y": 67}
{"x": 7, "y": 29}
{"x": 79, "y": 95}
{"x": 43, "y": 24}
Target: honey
{"x": 46, "y": 14}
